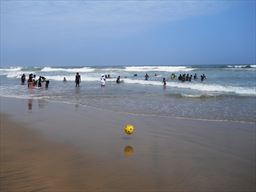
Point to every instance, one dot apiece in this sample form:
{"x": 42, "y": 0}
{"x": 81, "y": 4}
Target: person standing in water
{"x": 118, "y": 79}
{"x": 103, "y": 81}
{"x": 78, "y": 79}
{"x": 23, "y": 79}
{"x": 164, "y": 82}
{"x": 146, "y": 77}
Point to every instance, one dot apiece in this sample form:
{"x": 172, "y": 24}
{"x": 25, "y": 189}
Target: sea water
{"x": 228, "y": 93}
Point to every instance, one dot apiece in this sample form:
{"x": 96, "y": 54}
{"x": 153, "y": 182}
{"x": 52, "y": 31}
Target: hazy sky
{"x": 88, "y": 33}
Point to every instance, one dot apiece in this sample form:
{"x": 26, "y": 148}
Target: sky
{"x": 110, "y": 33}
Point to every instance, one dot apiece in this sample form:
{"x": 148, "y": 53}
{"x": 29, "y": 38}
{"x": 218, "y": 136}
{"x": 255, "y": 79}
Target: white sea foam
{"x": 73, "y": 70}
{"x": 142, "y": 82}
{"x": 70, "y": 78}
{"x": 112, "y": 69}
{"x": 241, "y": 66}
{"x": 31, "y": 96}
{"x": 216, "y": 88}
{"x": 158, "y": 68}
{"x": 12, "y": 74}
{"x": 16, "y": 74}
{"x": 11, "y": 69}
{"x": 192, "y": 95}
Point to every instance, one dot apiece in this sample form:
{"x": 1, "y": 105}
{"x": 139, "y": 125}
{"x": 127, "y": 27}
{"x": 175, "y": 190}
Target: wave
{"x": 158, "y": 68}
{"x": 217, "y": 88}
{"x": 212, "y": 88}
{"x": 241, "y": 66}
{"x": 73, "y": 70}
{"x": 16, "y": 74}
{"x": 111, "y": 69}
{"x": 70, "y": 78}
{"x": 31, "y": 96}
{"x": 202, "y": 96}
{"x": 142, "y": 82}
{"x": 196, "y": 96}
{"x": 11, "y": 69}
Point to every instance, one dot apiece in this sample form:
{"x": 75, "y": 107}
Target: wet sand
{"x": 49, "y": 146}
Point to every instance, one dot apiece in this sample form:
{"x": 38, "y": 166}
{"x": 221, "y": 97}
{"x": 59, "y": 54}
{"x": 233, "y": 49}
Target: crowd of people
{"x": 182, "y": 77}
{"x": 32, "y": 81}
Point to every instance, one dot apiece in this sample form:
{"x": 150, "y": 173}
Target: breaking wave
{"x": 81, "y": 70}
{"x": 158, "y": 68}
{"x": 242, "y": 66}
{"x": 10, "y": 69}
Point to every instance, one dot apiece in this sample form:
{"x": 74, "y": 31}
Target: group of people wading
{"x": 33, "y": 82}
{"x": 182, "y": 77}
{"x": 189, "y": 77}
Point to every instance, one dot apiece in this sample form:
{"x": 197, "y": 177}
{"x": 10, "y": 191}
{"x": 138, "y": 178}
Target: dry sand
{"x": 58, "y": 147}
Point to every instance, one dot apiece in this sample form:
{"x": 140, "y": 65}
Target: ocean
{"x": 227, "y": 94}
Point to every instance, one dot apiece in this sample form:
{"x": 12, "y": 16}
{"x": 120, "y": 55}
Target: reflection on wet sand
{"x": 41, "y": 103}
{"x": 128, "y": 151}
{"x": 77, "y": 90}
{"x": 76, "y": 106}
{"x": 30, "y": 104}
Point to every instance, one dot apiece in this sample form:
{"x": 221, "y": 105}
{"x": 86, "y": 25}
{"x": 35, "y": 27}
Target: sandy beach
{"x": 47, "y": 146}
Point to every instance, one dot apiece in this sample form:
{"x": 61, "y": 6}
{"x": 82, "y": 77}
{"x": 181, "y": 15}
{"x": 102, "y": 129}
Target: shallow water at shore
{"x": 228, "y": 93}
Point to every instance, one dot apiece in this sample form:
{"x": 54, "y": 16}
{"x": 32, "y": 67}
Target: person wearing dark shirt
{"x": 146, "y": 76}
{"x": 78, "y": 79}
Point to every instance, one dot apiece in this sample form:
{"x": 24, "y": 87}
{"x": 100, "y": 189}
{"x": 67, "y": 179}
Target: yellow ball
{"x": 129, "y": 129}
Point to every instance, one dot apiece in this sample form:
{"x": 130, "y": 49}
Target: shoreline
{"x": 60, "y": 147}
{"x": 131, "y": 113}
